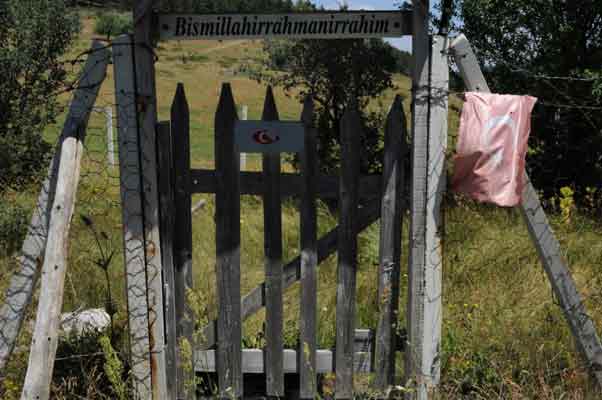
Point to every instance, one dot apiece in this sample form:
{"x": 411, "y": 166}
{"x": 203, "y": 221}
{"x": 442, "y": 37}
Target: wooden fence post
{"x": 167, "y": 214}
{"x": 309, "y": 259}
{"x": 542, "y": 235}
{"x": 390, "y": 245}
{"x": 272, "y": 219}
{"x": 132, "y": 215}
{"x": 46, "y": 330}
{"x": 429, "y": 130}
{"x": 429, "y": 133}
{"x": 180, "y": 128}
{"x": 347, "y": 251}
{"x": 146, "y": 114}
{"x": 227, "y": 229}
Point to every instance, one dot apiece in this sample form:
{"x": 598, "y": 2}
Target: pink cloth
{"x": 492, "y": 146}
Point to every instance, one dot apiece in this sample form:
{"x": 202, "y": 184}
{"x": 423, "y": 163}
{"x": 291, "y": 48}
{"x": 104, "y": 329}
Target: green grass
{"x": 504, "y": 337}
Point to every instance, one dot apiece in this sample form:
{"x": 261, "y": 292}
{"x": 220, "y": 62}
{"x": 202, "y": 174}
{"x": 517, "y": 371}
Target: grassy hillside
{"x": 504, "y": 336}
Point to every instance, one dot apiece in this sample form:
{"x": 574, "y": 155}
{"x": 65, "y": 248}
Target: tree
{"x": 33, "y": 36}
{"x": 338, "y": 74}
{"x": 551, "y": 49}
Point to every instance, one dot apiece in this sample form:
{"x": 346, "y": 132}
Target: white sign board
{"x": 269, "y": 136}
{"x": 322, "y": 25}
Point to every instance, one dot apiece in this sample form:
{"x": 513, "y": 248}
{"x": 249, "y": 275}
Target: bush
{"x": 13, "y": 226}
{"x": 113, "y": 24}
{"x": 34, "y": 34}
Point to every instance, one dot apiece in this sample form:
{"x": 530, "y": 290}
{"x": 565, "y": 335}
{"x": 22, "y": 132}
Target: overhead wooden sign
{"x": 269, "y": 136}
{"x": 322, "y": 25}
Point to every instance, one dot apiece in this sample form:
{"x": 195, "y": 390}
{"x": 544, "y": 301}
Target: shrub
{"x": 13, "y": 226}
{"x": 113, "y": 24}
{"x": 34, "y": 34}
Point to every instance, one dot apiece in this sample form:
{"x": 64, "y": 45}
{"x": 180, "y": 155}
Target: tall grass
{"x": 504, "y": 336}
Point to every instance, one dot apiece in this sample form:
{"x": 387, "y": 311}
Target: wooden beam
{"x": 133, "y": 223}
{"x": 29, "y": 263}
{"x": 251, "y": 183}
{"x": 309, "y": 259}
{"x": 542, "y": 235}
{"x": 351, "y": 132}
{"x": 46, "y": 331}
{"x": 146, "y": 114}
{"x": 180, "y": 128}
{"x": 327, "y": 245}
{"x": 390, "y": 245}
{"x": 253, "y": 361}
{"x": 227, "y": 229}
{"x": 167, "y": 213}
{"x": 429, "y": 130}
{"x": 272, "y": 222}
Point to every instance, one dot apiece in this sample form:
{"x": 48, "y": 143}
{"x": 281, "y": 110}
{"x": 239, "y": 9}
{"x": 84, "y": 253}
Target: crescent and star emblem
{"x": 263, "y": 136}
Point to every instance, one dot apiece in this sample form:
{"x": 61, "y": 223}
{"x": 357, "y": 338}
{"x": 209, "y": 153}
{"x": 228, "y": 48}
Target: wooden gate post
{"x": 390, "y": 245}
{"x": 46, "y": 331}
{"x": 542, "y": 235}
{"x": 146, "y": 113}
{"x": 429, "y": 133}
{"x": 132, "y": 216}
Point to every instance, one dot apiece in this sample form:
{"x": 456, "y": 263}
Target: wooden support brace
{"x": 46, "y": 331}
{"x": 542, "y": 235}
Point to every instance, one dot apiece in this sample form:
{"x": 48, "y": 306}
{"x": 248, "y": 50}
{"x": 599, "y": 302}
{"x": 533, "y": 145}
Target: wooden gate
{"x": 361, "y": 199}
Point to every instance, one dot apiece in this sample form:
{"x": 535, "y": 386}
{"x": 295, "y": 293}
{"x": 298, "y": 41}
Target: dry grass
{"x": 504, "y": 337}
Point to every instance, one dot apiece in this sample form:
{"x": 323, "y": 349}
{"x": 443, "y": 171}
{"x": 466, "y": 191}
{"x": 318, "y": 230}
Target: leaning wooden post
{"x": 227, "y": 230}
{"x": 347, "y": 251}
{"x": 45, "y": 336}
{"x": 390, "y": 246}
{"x": 132, "y": 215}
{"x": 180, "y": 128}
{"x": 306, "y": 352}
{"x": 542, "y": 235}
{"x": 146, "y": 115}
{"x": 29, "y": 263}
{"x": 429, "y": 138}
{"x": 272, "y": 219}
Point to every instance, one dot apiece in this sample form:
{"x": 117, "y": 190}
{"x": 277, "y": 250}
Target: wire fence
{"x": 492, "y": 274}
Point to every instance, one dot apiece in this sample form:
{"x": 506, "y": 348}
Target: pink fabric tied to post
{"x": 492, "y": 146}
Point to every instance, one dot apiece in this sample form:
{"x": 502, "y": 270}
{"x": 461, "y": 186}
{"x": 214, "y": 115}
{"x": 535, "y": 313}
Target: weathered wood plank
{"x": 180, "y": 128}
{"x": 146, "y": 112}
{"x": 54, "y": 269}
{"x": 167, "y": 215}
{"x": 424, "y": 305}
{"x": 272, "y": 220}
{"x": 133, "y": 223}
{"x": 29, "y": 263}
{"x": 227, "y": 227}
{"x": 309, "y": 259}
{"x": 253, "y": 361}
{"x": 327, "y": 245}
{"x": 436, "y": 185}
{"x": 390, "y": 245}
{"x": 347, "y": 253}
{"x": 291, "y": 184}
{"x": 542, "y": 235}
